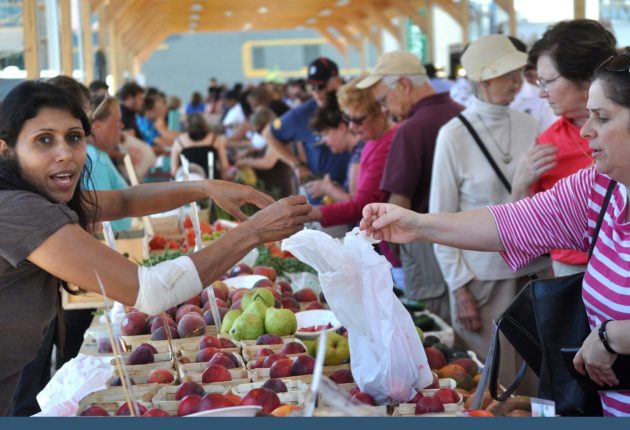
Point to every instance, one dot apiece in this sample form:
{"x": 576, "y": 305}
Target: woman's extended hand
{"x": 281, "y": 219}
{"x": 231, "y": 197}
{"x": 391, "y": 223}
{"x": 537, "y": 161}
{"x": 593, "y": 360}
{"x": 318, "y": 188}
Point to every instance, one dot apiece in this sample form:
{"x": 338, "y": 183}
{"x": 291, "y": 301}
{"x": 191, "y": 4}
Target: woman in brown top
{"x": 45, "y": 218}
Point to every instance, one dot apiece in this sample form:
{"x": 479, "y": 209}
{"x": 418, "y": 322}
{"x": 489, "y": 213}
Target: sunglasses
{"x": 617, "y": 63}
{"x": 356, "y": 120}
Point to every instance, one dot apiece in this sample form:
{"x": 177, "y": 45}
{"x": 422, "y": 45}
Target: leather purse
{"x": 546, "y": 316}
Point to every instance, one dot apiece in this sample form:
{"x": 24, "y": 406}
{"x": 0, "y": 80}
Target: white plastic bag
{"x": 387, "y": 357}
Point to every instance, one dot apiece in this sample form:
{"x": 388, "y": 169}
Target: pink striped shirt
{"x": 565, "y": 217}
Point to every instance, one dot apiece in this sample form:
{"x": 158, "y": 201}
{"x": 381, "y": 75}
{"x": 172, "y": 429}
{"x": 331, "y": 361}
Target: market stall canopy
{"x": 143, "y": 24}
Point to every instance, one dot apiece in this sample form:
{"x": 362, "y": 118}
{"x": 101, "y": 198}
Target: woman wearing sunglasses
{"x": 356, "y": 117}
{"x": 566, "y": 57}
{"x": 561, "y": 217}
{"x": 480, "y": 284}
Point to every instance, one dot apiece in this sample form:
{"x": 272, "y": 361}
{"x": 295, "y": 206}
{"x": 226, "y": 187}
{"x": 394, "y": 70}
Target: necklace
{"x": 506, "y": 156}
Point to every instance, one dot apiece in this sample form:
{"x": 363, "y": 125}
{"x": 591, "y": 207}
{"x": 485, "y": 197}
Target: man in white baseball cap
{"x": 400, "y": 83}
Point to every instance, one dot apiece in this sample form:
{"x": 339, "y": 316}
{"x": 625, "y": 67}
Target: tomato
{"x": 172, "y": 244}
{"x": 205, "y": 228}
{"x": 187, "y": 222}
{"x": 158, "y": 242}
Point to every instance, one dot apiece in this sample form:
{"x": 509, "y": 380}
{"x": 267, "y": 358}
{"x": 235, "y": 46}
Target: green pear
{"x": 257, "y": 308}
{"x": 228, "y": 320}
{"x": 337, "y": 349}
{"x": 260, "y": 294}
{"x": 247, "y": 327}
{"x": 420, "y": 333}
{"x": 311, "y": 346}
{"x": 281, "y": 322}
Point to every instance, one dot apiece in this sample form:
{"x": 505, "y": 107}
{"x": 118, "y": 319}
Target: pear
{"x": 258, "y": 294}
{"x": 337, "y": 349}
{"x": 247, "y": 327}
{"x": 311, "y": 346}
{"x": 257, "y": 308}
{"x": 228, "y": 320}
{"x": 281, "y": 322}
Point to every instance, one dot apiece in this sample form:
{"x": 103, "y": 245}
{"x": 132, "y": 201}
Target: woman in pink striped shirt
{"x": 562, "y": 217}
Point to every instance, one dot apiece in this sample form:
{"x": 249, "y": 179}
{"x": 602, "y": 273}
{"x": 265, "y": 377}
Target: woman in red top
{"x": 361, "y": 119}
{"x": 566, "y": 57}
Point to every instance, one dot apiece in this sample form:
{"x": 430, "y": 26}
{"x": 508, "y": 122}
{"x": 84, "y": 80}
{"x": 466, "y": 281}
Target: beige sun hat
{"x": 490, "y": 57}
{"x": 395, "y": 63}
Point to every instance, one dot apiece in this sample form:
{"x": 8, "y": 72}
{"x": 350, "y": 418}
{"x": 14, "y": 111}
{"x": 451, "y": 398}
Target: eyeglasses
{"x": 356, "y": 120}
{"x": 617, "y": 63}
{"x": 545, "y": 85}
{"x": 316, "y": 87}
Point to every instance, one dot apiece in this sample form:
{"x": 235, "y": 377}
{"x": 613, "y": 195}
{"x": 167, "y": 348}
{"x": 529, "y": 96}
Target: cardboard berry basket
{"x": 249, "y": 351}
{"x": 446, "y": 334}
{"x": 165, "y": 397}
{"x": 163, "y": 360}
{"x": 133, "y": 341}
{"x": 293, "y": 385}
{"x": 112, "y": 398}
{"x": 141, "y": 376}
{"x": 190, "y": 349}
{"x": 262, "y": 374}
{"x": 194, "y": 371}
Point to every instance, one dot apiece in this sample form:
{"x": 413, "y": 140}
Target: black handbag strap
{"x": 493, "y": 360}
{"x": 483, "y": 148}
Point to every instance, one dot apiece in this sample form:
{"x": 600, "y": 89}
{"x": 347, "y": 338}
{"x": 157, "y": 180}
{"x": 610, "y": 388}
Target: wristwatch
{"x": 603, "y": 336}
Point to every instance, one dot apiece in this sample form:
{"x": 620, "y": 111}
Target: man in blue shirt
{"x": 323, "y": 77}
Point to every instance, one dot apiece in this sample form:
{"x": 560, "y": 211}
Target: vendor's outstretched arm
{"x": 147, "y": 199}
{"x": 78, "y": 262}
{"x": 475, "y": 229}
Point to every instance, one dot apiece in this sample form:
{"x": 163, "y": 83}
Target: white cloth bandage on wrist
{"x": 166, "y": 285}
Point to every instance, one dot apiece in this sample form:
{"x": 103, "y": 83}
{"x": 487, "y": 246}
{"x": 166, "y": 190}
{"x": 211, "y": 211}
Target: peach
{"x": 293, "y": 348}
{"x": 458, "y": 373}
{"x": 238, "y": 294}
{"x": 427, "y": 405}
{"x": 191, "y": 325}
{"x": 141, "y": 356}
{"x": 188, "y": 388}
{"x": 269, "y": 339}
{"x": 263, "y": 283}
{"x": 285, "y": 410}
{"x": 291, "y": 304}
{"x": 415, "y": 398}
{"x": 226, "y": 343}
{"x": 447, "y": 395}
{"x": 222, "y": 359}
{"x": 208, "y": 316}
{"x": 209, "y": 340}
{"x": 124, "y": 409}
{"x": 156, "y": 412}
{"x": 264, "y": 352}
{"x": 189, "y": 405}
{"x": 342, "y": 376}
{"x": 215, "y": 373}
{"x": 275, "y": 385}
{"x": 160, "y": 376}
{"x": 272, "y": 359}
{"x": 240, "y": 269}
{"x": 258, "y": 363}
{"x": 159, "y": 322}
{"x": 281, "y": 368}
{"x": 262, "y": 397}
{"x": 215, "y": 401}
{"x": 303, "y": 365}
{"x": 204, "y": 355}
{"x": 133, "y": 324}
{"x": 194, "y": 300}
{"x": 236, "y": 305}
{"x": 284, "y": 287}
{"x": 186, "y": 309}
{"x": 160, "y": 333}
{"x": 364, "y": 398}
{"x": 468, "y": 364}
{"x": 305, "y": 295}
{"x": 314, "y": 305}
{"x": 147, "y": 346}
{"x": 267, "y": 271}
{"x": 435, "y": 357}
{"x": 94, "y": 411}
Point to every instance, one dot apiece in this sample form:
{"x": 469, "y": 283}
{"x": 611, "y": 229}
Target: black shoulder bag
{"x": 546, "y": 316}
{"x": 483, "y": 148}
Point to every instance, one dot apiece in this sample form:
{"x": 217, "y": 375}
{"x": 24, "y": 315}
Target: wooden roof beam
{"x": 341, "y": 47}
{"x": 364, "y": 29}
{"x": 410, "y": 11}
{"x": 382, "y": 19}
{"x": 347, "y": 35}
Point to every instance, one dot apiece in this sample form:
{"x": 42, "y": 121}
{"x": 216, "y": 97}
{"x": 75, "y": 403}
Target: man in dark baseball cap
{"x": 323, "y": 77}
